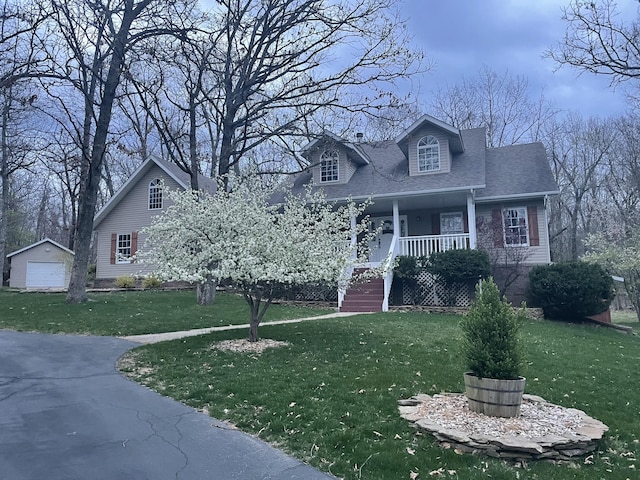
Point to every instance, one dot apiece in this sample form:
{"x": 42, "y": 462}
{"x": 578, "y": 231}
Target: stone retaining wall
{"x": 555, "y": 447}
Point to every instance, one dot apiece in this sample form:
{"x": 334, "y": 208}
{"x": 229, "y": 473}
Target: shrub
{"x": 151, "y": 282}
{"x": 125, "y": 281}
{"x": 570, "y": 291}
{"x": 491, "y": 346}
{"x": 406, "y": 267}
{"x": 460, "y": 267}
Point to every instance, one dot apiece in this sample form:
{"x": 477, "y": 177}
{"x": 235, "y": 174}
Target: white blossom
{"x": 243, "y": 237}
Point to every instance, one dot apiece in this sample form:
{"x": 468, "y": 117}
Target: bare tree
{"x": 16, "y": 102}
{"x": 500, "y": 103}
{"x": 85, "y": 45}
{"x": 580, "y": 151}
{"x": 599, "y": 40}
{"x": 508, "y": 265}
{"x": 278, "y": 65}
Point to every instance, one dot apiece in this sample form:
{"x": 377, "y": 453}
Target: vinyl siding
{"x": 445, "y": 154}
{"x": 130, "y": 215}
{"x": 18, "y": 274}
{"x": 538, "y": 254}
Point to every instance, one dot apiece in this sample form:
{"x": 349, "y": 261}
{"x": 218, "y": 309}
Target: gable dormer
{"x": 333, "y": 160}
{"x": 430, "y": 145}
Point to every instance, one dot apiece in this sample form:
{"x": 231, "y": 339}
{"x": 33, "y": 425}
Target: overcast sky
{"x": 460, "y": 36}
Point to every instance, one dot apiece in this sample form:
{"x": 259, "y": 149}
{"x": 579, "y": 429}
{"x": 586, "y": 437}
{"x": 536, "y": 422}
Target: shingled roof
{"x": 493, "y": 173}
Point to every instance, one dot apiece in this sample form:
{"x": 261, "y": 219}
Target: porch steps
{"x": 364, "y": 297}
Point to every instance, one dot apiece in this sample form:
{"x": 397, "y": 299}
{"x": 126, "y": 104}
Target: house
{"x": 117, "y": 225}
{"x": 434, "y": 188}
{"x": 42, "y": 265}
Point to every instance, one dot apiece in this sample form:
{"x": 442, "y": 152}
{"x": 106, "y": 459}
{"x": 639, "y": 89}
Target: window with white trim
{"x": 516, "y": 229}
{"x": 329, "y": 162}
{"x": 123, "y": 248}
{"x": 428, "y": 154}
{"x": 155, "y": 194}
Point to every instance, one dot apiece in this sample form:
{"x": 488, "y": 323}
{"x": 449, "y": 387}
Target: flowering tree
{"x": 243, "y": 237}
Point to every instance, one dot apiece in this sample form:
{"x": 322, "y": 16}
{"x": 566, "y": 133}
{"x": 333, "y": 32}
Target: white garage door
{"x": 45, "y": 275}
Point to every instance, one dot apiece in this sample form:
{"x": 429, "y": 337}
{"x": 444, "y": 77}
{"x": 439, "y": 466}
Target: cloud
{"x": 460, "y": 36}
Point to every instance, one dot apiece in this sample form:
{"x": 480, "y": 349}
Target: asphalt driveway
{"x": 67, "y": 414}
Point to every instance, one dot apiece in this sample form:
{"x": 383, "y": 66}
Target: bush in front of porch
{"x": 458, "y": 269}
{"x": 449, "y": 273}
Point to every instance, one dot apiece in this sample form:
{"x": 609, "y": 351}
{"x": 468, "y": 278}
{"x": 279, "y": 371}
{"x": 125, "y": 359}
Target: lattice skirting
{"x": 429, "y": 291}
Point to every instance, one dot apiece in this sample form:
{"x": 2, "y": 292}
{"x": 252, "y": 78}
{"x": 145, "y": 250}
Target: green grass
{"x": 329, "y": 398}
{"x": 625, "y": 318}
{"x": 130, "y": 313}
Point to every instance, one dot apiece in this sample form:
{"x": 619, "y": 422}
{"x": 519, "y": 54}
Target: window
{"x": 155, "y": 194}
{"x": 451, "y": 223}
{"x": 123, "y": 248}
{"x": 329, "y": 166}
{"x": 516, "y": 231}
{"x": 428, "y": 154}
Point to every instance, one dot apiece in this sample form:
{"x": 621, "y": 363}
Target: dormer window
{"x": 329, "y": 166}
{"x": 155, "y": 194}
{"x": 428, "y": 154}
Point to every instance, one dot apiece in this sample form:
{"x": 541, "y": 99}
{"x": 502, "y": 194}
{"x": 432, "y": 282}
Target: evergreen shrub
{"x": 151, "y": 282}
{"x": 571, "y": 290}
{"x": 491, "y": 346}
{"x": 125, "y": 281}
{"x": 460, "y": 267}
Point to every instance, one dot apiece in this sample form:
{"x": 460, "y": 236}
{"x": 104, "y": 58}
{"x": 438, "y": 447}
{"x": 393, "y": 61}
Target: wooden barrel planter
{"x": 493, "y": 397}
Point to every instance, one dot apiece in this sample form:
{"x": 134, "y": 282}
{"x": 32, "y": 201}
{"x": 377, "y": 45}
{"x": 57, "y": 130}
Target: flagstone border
{"x": 554, "y": 447}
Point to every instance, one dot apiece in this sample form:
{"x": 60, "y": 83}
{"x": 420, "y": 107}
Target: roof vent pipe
{"x": 359, "y": 137}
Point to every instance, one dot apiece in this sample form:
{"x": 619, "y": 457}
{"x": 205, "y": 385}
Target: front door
{"x": 380, "y": 244}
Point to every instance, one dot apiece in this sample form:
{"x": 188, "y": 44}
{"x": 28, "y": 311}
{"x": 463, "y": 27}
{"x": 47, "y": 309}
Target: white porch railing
{"x": 427, "y": 244}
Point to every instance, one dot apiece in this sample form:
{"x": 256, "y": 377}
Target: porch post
{"x": 471, "y": 216}
{"x": 354, "y": 234}
{"x": 396, "y": 219}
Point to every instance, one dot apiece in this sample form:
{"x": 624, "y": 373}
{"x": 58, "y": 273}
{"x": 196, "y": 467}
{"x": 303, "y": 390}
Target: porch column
{"x": 354, "y": 232}
{"x": 471, "y": 216}
{"x": 396, "y": 219}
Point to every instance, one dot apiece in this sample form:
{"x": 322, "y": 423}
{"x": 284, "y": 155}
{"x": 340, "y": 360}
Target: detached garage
{"x": 42, "y": 265}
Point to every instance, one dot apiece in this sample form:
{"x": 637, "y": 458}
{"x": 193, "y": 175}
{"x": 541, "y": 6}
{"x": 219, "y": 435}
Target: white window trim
{"x": 526, "y": 227}
{"x": 457, "y": 214}
{"x": 120, "y": 258}
{"x": 435, "y": 145}
{"x": 160, "y": 193}
{"x": 334, "y": 157}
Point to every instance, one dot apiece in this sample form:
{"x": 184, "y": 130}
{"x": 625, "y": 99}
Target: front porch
{"x": 413, "y": 232}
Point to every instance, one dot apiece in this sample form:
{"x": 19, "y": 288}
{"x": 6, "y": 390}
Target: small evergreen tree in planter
{"x": 491, "y": 348}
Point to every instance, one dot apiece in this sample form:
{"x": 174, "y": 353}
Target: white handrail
{"x": 388, "y": 272}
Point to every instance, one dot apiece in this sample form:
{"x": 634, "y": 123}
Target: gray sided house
{"x": 118, "y": 224}
{"x": 436, "y": 188}
{"x": 43, "y": 265}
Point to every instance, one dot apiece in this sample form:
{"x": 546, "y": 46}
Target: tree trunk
{"x": 77, "y": 292}
{"x": 257, "y": 307}
{"x": 253, "y": 329}
{"x": 206, "y": 292}
{"x": 4, "y": 198}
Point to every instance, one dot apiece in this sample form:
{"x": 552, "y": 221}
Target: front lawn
{"x": 131, "y": 313}
{"x": 329, "y": 397}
